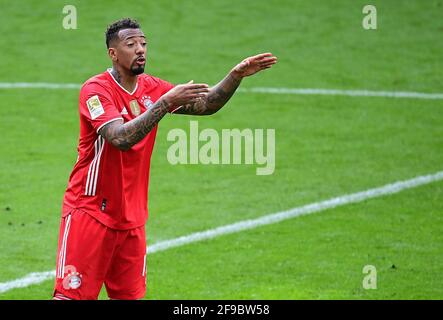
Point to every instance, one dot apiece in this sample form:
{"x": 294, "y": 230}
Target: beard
{"x": 137, "y": 69}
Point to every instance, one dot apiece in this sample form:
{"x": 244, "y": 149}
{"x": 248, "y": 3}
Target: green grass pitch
{"x": 326, "y": 146}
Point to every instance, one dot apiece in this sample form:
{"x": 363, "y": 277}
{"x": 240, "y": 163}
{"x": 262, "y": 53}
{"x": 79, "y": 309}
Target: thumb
{"x": 242, "y": 65}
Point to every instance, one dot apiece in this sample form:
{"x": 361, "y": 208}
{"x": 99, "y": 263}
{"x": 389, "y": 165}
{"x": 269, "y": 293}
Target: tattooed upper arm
{"x": 111, "y": 132}
{"x": 124, "y": 136}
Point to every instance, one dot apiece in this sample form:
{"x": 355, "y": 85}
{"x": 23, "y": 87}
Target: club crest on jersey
{"x": 73, "y": 280}
{"x": 135, "y": 108}
{"x": 147, "y": 102}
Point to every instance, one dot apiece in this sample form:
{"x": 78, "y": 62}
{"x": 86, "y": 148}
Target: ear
{"x": 112, "y": 53}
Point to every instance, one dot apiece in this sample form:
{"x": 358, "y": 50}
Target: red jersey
{"x": 109, "y": 184}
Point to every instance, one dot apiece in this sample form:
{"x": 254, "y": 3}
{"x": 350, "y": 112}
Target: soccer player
{"x": 102, "y": 232}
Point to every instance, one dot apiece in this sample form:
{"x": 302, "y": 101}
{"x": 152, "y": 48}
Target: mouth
{"x": 140, "y": 61}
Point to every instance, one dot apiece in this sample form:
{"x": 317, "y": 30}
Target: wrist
{"x": 236, "y": 75}
{"x": 166, "y": 101}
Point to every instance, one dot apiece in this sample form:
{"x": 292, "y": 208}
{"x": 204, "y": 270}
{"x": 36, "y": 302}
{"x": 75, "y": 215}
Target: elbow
{"x": 121, "y": 145}
{"x": 124, "y": 148}
{"x": 115, "y": 134}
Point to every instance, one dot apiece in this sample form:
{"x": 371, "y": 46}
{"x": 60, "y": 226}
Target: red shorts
{"x": 90, "y": 254}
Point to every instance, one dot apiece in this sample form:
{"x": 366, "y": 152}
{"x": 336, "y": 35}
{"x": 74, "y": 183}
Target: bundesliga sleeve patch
{"x": 95, "y": 107}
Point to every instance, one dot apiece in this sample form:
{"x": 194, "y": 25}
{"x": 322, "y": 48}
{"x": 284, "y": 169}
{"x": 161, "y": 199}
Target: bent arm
{"x": 125, "y": 135}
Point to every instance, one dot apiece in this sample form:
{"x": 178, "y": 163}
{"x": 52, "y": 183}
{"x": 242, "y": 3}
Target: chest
{"x": 131, "y": 106}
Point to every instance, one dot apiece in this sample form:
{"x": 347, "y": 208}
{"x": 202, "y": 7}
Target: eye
{"x": 130, "y": 44}
{"x": 144, "y": 44}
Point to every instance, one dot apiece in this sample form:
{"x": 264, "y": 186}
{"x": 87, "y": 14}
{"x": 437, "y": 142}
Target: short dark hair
{"x": 113, "y": 29}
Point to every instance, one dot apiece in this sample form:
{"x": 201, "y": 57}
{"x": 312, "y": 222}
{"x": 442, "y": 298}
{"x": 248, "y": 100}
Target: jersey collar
{"x": 130, "y": 93}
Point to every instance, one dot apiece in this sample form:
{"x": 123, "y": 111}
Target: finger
{"x": 266, "y": 67}
{"x": 262, "y": 55}
{"x": 202, "y": 90}
{"x": 196, "y": 91}
{"x": 195, "y": 86}
{"x": 196, "y": 95}
{"x": 268, "y": 64}
{"x": 191, "y": 84}
{"x": 266, "y": 60}
{"x": 270, "y": 61}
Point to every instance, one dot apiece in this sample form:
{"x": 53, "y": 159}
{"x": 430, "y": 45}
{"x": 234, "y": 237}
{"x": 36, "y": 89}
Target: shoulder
{"x": 98, "y": 84}
{"x": 152, "y": 81}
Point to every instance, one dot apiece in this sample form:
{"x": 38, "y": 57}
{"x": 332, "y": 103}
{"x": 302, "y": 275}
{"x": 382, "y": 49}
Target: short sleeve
{"x": 96, "y": 106}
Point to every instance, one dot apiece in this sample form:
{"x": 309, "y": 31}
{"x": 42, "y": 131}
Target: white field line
{"x": 352, "y": 93}
{"x": 297, "y": 91}
{"x": 30, "y": 279}
{"x": 38, "y": 85}
{"x": 38, "y": 277}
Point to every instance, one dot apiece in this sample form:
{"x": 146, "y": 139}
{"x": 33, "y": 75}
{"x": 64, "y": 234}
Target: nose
{"x": 140, "y": 49}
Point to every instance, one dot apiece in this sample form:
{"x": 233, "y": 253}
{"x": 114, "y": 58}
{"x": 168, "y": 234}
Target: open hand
{"x": 183, "y": 94}
{"x": 254, "y": 64}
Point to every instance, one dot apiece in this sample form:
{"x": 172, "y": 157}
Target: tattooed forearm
{"x": 215, "y": 99}
{"x": 217, "y": 96}
{"x": 124, "y": 136}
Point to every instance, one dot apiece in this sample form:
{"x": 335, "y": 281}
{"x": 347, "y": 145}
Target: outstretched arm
{"x": 223, "y": 91}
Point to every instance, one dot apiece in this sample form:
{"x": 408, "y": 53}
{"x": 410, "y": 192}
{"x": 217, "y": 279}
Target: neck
{"x": 127, "y": 81}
